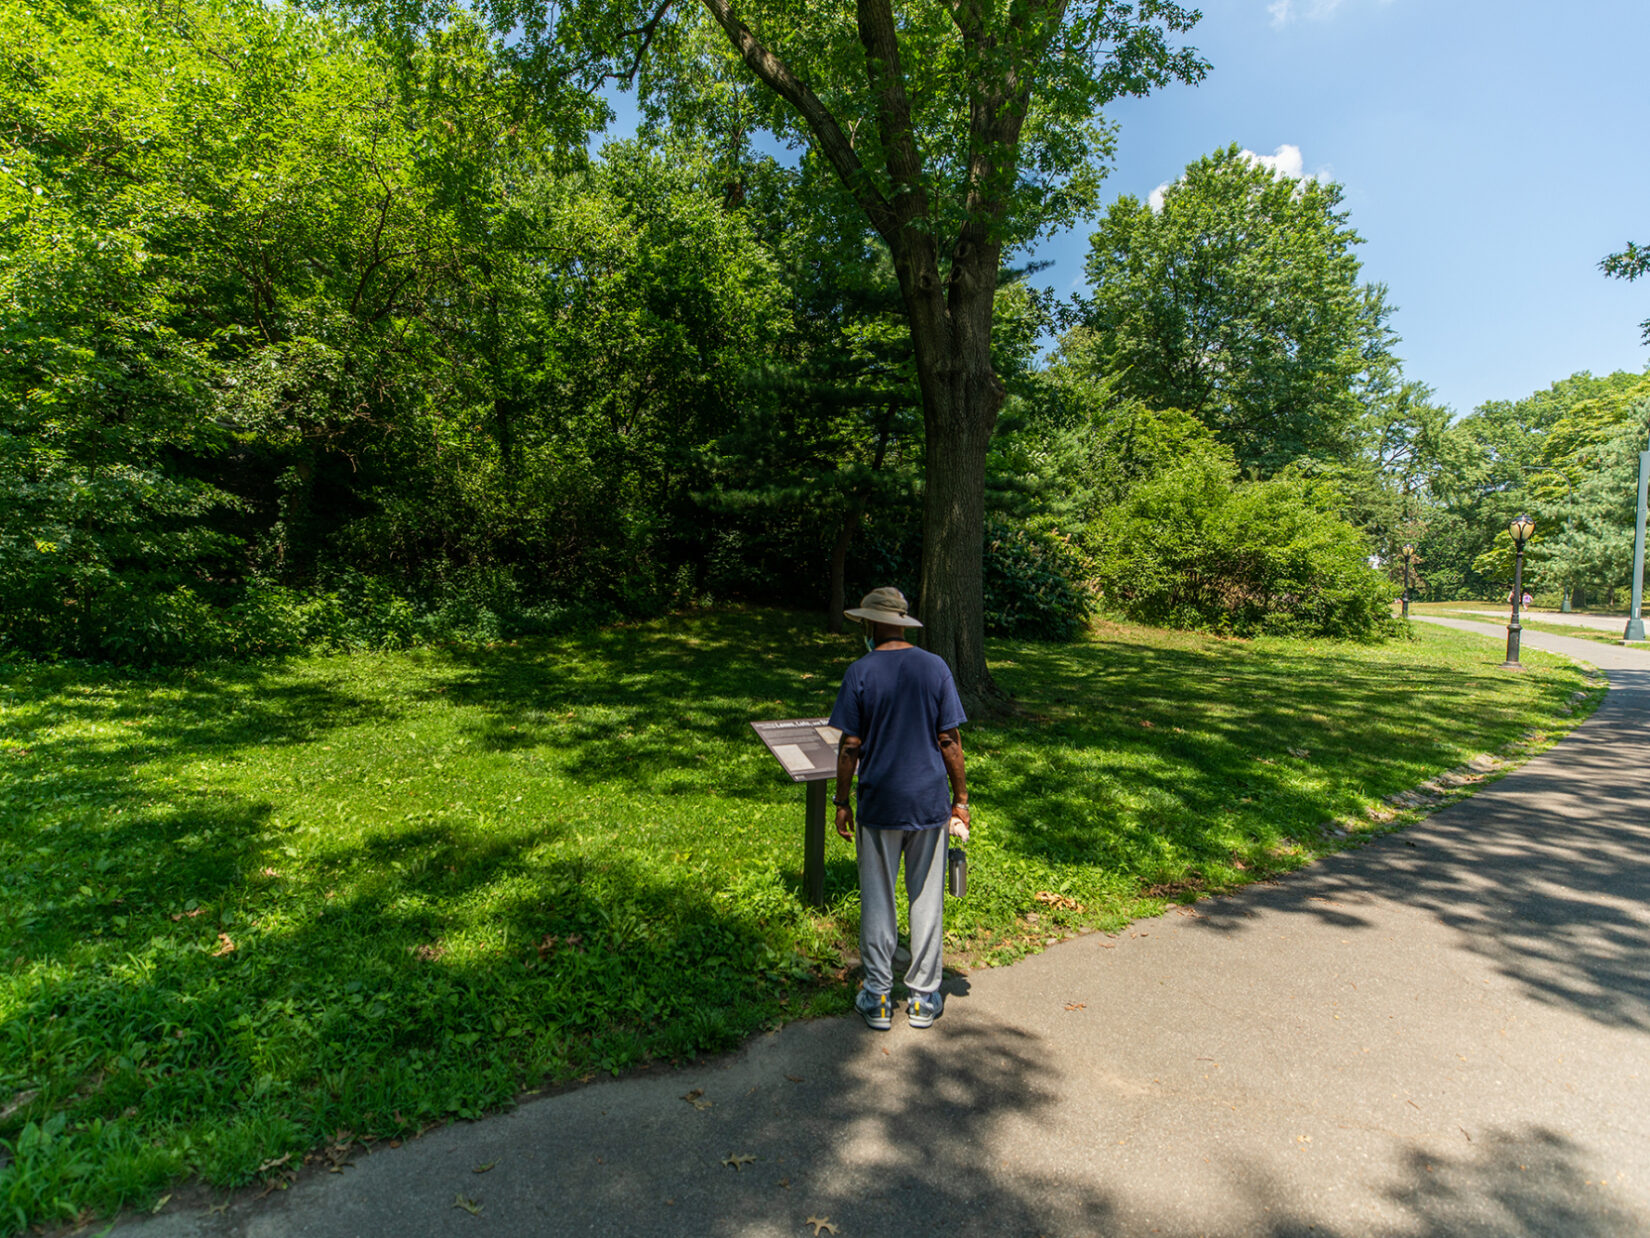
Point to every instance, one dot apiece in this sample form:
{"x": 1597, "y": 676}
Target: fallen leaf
{"x": 1077, "y": 1005}
{"x": 1299, "y": 752}
{"x": 794, "y": 1078}
{"x": 225, "y": 946}
{"x": 160, "y": 1203}
{"x": 472, "y": 1206}
{"x": 784, "y": 1182}
{"x": 822, "y": 1225}
{"x": 738, "y": 1159}
{"x": 481, "y": 1169}
{"x": 697, "y": 1099}
{"x": 274, "y": 1164}
{"x": 1062, "y": 901}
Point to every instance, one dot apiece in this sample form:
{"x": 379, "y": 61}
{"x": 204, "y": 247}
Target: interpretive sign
{"x": 806, "y": 749}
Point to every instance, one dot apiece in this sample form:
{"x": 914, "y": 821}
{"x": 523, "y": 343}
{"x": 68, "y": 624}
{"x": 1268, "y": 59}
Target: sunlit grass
{"x": 244, "y": 908}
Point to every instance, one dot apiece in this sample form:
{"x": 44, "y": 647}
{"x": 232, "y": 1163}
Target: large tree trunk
{"x": 952, "y": 598}
{"x": 961, "y": 395}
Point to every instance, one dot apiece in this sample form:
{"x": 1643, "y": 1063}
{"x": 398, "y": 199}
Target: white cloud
{"x": 1285, "y": 11}
{"x": 1285, "y": 163}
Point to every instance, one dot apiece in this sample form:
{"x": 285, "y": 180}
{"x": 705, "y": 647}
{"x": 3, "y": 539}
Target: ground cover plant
{"x": 247, "y": 911}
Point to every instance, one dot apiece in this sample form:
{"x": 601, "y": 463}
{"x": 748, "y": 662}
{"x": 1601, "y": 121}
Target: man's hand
{"x": 845, "y": 821}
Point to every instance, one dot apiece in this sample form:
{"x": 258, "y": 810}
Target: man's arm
{"x": 952, "y": 754}
{"x": 847, "y": 761}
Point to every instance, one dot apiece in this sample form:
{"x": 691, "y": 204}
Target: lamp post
{"x": 1520, "y": 530}
{"x": 1409, "y": 558}
{"x": 1635, "y": 622}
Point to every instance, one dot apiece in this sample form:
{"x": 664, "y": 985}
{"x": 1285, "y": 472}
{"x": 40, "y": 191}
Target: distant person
{"x": 1527, "y": 599}
{"x": 898, "y": 712}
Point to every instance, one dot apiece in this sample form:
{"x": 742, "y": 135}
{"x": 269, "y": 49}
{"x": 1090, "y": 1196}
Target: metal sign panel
{"x": 805, "y": 747}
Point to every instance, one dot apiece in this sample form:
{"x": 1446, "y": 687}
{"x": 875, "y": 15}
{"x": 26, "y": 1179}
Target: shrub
{"x": 1032, "y": 584}
{"x": 1194, "y": 549}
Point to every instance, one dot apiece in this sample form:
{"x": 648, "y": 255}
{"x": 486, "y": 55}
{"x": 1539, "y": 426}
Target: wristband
{"x": 843, "y": 803}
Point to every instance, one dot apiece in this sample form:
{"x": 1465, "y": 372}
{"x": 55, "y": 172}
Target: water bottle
{"x": 956, "y": 871}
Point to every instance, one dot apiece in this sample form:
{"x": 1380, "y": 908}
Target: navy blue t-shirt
{"x": 897, "y": 701}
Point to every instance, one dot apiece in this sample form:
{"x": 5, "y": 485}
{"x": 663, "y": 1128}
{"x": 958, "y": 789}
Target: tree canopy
{"x": 1237, "y": 298}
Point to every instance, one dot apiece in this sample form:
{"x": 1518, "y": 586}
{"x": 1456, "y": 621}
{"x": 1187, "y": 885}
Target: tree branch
{"x": 833, "y": 143}
{"x": 899, "y": 144}
{"x": 647, "y": 31}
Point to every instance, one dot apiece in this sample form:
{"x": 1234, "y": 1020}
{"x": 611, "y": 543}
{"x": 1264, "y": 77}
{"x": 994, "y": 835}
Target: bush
{"x": 1194, "y": 549}
{"x": 1032, "y": 589}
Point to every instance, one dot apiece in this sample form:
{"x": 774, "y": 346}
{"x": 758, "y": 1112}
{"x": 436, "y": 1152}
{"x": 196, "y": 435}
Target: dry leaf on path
{"x": 697, "y": 1099}
{"x": 472, "y": 1206}
{"x": 1077, "y": 1005}
{"x": 822, "y": 1225}
{"x": 738, "y": 1159}
{"x": 481, "y": 1169}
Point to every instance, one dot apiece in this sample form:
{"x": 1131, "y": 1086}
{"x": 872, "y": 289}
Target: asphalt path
{"x": 1445, "y": 1032}
{"x": 1501, "y": 618}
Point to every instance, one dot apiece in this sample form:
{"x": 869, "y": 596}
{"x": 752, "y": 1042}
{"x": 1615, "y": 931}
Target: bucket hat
{"x": 885, "y": 605}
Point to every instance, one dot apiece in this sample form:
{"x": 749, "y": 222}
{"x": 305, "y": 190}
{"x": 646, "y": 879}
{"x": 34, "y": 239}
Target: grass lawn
{"x": 254, "y": 911}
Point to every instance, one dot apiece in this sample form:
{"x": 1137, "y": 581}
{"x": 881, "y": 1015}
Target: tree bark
{"x": 839, "y": 572}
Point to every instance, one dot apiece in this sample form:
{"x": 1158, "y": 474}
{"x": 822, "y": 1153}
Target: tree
{"x": 1629, "y": 264}
{"x": 1237, "y": 299}
{"x": 960, "y": 131}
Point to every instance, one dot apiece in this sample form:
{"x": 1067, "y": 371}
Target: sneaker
{"x": 926, "y": 1007}
{"x": 877, "y": 1009}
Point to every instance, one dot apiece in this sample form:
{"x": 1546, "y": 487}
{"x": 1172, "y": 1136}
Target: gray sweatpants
{"x": 879, "y": 860}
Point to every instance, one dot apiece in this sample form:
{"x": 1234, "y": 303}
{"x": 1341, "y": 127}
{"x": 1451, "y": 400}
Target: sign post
{"x": 806, "y": 749}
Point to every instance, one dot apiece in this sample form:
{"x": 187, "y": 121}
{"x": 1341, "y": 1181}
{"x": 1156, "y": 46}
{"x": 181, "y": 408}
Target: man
{"x": 898, "y": 713}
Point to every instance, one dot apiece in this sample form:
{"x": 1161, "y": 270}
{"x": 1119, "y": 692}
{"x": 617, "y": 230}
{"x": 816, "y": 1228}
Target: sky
{"x": 1491, "y": 152}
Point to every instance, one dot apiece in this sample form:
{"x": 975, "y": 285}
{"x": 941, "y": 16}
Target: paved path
{"x": 1500, "y": 618}
{"x": 1446, "y": 1032}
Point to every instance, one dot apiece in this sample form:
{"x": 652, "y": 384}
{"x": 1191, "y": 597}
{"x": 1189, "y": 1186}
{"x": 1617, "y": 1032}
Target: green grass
{"x": 245, "y": 909}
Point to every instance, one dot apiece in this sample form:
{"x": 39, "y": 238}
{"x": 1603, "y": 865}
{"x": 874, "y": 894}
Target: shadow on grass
{"x": 1546, "y": 873}
{"x": 636, "y": 704}
{"x": 1202, "y": 738}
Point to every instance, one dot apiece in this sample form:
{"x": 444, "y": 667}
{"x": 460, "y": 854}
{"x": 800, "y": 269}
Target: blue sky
{"x": 1491, "y": 154}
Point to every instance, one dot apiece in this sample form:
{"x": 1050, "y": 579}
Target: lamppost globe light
{"x": 1520, "y": 530}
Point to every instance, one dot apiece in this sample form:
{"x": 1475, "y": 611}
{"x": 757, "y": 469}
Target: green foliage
{"x": 1559, "y": 454}
{"x": 1238, "y": 299}
{"x": 1033, "y": 584}
{"x": 1193, "y": 549}
{"x": 448, "y": 875}
{"x": 1629, "y": 264}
